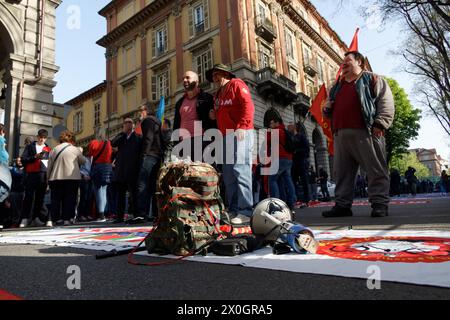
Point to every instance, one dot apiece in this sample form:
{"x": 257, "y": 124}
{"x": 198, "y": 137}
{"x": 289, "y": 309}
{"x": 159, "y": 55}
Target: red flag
{"x": 354, "y": 44}
{"x": 325, "y": 123}
{"x": 138, "y": 129}
{"x": 353, "y": 47}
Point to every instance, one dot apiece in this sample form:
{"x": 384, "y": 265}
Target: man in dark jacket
{"x": 323, "y": 179}
{"x": 300, "y": 162}
{"x": 127, "y": 164}
{"x": 166, "y": 135}
{"x": 151, "y": 153}
{"x": 35, "y": 159}
{"x": 193, "y": 109}
{"x": 395, "y": 183}
{"x": 281, "y": 185}
{"x": 412, "y": 180}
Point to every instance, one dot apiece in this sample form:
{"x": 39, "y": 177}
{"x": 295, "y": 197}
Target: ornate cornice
{"x": 308, "y": 30}
{"x": 111, "y": 52}
{"x": 131, "y": 24}
{"x": 95, "y": 91}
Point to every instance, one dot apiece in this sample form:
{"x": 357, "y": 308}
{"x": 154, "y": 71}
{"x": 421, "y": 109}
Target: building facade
{"x": 430, "y": 159}
{"x": 88, "y": 113}
{"x": 283, "y": 49}
{"x": 27, "y": 69}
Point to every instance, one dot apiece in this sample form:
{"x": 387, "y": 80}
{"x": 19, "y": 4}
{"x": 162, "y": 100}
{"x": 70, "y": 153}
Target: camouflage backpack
{"x": 189, "y": 206}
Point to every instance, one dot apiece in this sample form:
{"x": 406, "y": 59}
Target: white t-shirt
{"x": 39, "y": 149}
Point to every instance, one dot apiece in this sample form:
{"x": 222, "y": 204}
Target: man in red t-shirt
{"x": 234, "y": 111}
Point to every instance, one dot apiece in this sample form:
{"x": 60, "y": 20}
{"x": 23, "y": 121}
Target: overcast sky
{"x": 82, "y": 61}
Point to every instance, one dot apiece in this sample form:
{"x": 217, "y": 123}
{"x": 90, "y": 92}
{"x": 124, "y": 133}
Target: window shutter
{"x": 206, "y": 13}
{"x": 191, "y": 22}
{"x": 154, "y": 98}
{"x": 198, "y": 65}
{"x": 153, "y": 43}
{"x": 166, "y": 39}
{"x": 286, "y": 41}
{"x": 210, "y": 60}
{"x": 167, "y": 87}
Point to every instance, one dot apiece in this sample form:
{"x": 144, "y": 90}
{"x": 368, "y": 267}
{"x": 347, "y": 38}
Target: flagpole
{"x": 306, "y": 117}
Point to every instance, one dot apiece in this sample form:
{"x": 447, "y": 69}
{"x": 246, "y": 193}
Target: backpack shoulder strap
{"x": 57, "y": 156}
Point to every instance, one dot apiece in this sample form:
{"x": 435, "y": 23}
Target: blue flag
{"x": 160, "y": 112}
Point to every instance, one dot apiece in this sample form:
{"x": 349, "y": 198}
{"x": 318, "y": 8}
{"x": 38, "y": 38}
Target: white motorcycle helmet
{"x": 5, "y": 182}
{"x": 268, "y": 216}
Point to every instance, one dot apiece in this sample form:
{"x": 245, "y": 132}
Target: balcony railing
{"x": 302, "y": 103}
{"x": 265, "y": 28}
{"x": 199, "y": 27}
{"x": 160, "y": 50}
{"x": 275, "y": 86}
{"x": 310, "y": 69}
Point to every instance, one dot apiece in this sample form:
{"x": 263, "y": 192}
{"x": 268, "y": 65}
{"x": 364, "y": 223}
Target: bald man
{"x": 195, "y": 106}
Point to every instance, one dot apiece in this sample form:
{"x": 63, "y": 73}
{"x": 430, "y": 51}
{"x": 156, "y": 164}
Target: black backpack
{"x": 289, "y": 142}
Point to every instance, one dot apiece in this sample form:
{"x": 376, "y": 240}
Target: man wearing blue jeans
{"x": 234, "y": 111}
{"x": 151, "y": 157}
{"x": 283, "y": 178}
{"x": 237, "y": 176}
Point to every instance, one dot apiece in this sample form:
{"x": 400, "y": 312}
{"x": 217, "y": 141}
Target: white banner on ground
{"x": 105, "y": 239}
{"x": 408, "y": 256}
{"x": 416, "y": 257}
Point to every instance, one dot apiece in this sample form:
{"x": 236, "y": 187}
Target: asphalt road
{"x": 39, "y": 272}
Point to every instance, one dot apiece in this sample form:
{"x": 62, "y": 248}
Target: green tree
{"x": 406, "y": 122}
{"x": 425, "y": 49}
{"x": 401, "y": 162}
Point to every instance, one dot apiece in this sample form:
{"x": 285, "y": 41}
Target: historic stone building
{"x": 88, "y": 113}
{"x": 283, "y": 49}
{"x": 27, "y": 69}
{"x": 430, "y": 159}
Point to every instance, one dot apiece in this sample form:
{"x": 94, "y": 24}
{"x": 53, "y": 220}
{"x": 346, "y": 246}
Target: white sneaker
{"x": 23, "y": 223}
{"x": 66, "y": 223}
{"x": 240, "y": 219}
{"x": 49, "y": 224}
{"x": 37, "y": 223}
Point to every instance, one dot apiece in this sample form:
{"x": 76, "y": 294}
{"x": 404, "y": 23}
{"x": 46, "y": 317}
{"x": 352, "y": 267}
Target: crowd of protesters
{"x": 114, "y": 177}
{"x": 410, "y": 184}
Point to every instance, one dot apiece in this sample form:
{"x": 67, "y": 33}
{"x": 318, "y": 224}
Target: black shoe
{"x": 118, "y": 220}
{"x": 337, "y": 211}
{"x": 137, "y": 220}
{"x": 379, "y": 210}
